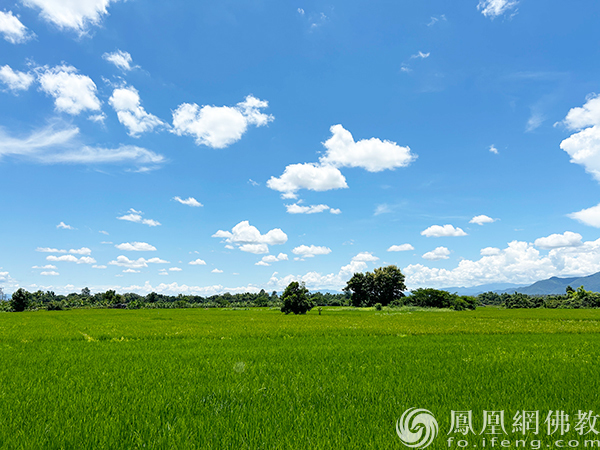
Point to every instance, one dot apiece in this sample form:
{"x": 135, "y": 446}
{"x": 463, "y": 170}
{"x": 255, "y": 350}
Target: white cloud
{"x": 136, "y": 247}
{"x": 420, "y": 55}
{"x": 12, "y": 29}
{"x": 439, "y": 231}
{"x": 49, "y": 250}
{"x": 335, "y": 211}
{"x": 267, "y": 260}
{"x": 15, "y": 80}
{"x": 54, "y": 144}
{"x": 81, "y": 251}
{"x": 400, "y": 248}
{"x": 519, "y": 263}
{"x": 98, "y": 267}
{"x": 216, "y": 271}
{"x": 51, "y": 273}
{"x": 437, "y": 254}
{"x": 219, "y": 126}
{"x": 136, "y": 217}
{"x": 382, "y": 209}
{"x": 295, "y": 208}
{"x": 495, "y": 8}
{"x": 120, "y": 59}
{"x": 372, "y": 154}
{"x": 47, "y": 266}
{"x": 304, "y": 251}
{"x": 131, "y": 271}
{"x": 71, "y": 258}
{"x": 64, "y": 226}
{"x": 567, "y": 239}
{"x": 535, "y": 121}
{"x": 190, "y": 201}
{"x": 103, "y": 232}
{"x": 124, "y": 261}
{"x": 490, "y": 251}
{"x": 365, "y": 257}
{"x": 589, "y": 216}
{"x": 175, "y": 269}
{"x": 309, "y": 176}
{"x": 434, "y": 20}
{"x": 72, "y": 92}
{"x": 197, "y": 262}
{"x": 300, "y": 11}
{"x": 126, "y": 102}
{"x": 75, "y": 15}
{"x": 249, "y": 239}
{"x": 315, "y": 280}
{"x": 584, "y": 147}
{"x": 493, "y": 149}
{"x": 480, "y": 220}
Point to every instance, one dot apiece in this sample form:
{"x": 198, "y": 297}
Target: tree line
{"x": 572, "y": 298}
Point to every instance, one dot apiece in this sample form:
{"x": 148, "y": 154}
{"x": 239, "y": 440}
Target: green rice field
{"x": 259, "y": 379}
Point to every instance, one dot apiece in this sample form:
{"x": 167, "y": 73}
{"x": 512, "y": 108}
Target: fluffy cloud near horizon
{"x": 15, "y": 80}
{"x": 567, "y": 239}
{"x": 73, "y": 15}
{"x": 305, "y": 251}
{"x": 249, "y": 239}
{"x": 71, "y": 258}
{"x": 126, "y": 103}
{"x": 519, "y": 263}
{"x": 73, "y": 93}
{"x": 443, "y": 231}
{"x": 124, "y": 261}
{"x": 136, "y": 247}
{"x": 12, "y": 29}
{"x": 219, "y": 126}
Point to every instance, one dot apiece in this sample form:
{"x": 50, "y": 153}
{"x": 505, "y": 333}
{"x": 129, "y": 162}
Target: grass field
{"x": 258, "y": 379}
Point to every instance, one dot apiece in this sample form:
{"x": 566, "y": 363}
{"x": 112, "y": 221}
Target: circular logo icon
{"x": 417, "y": 428}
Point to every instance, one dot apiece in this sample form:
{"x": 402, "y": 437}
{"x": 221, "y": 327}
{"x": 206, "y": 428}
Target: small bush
{"x": 378, "y": 306}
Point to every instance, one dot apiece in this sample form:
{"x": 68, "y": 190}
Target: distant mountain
{"x": 551, "y": 286}
{"x": 557, "y": 285}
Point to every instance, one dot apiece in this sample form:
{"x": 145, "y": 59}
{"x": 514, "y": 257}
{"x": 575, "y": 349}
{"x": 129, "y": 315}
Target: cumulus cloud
{"x": 495, "y": 8}
{"x": 126, "y": 103}
{"x": 489, "y": 251}
{"x": 567, "y": 239}
{"x": 124, "y": 261}
{"x": 249, "y": 239}
{"x": 136, "y": 217}
{"x": 15, "y": 80}
{"x": 81, "y": 251}
{"x": 47, "y": 266}
{"x": 49, "y": 250}
{"x": 440, "y": 231}
{"x": 295, "y": 208}
{"x": 64, "y": 226}
{"x": 190, "y": 201}
{"x": 400, "y": 248}
{"x": 480, "y": 220}
{"x": 197, "y": 262}
{"x": 50, "y": 272}
{"x": 175, "y": 269}
{"x": 365, "y": 257}
{"x": 267, "y": 260}
{"x": 73, "y": 93}
{"x": 437, "y": 254}
{"x": 493, "y": 149}
{"x": 584, "y": 146}
{"x": 219, "y": 126}
{"x": 304, "y": 251}
{"x": 12, "y": 29}
{"x": 72, "y": 15}
{"x": 309, "y": 176}
{"x": 589, "y": 216}
{"x": 71, "y": 258}
{"x": 216, "y": 271}
{"x": 136, "y": 247}
{"x": 131, "y": 271}
{"x": 120, "y": 59}
{"x": 519, "y": 263}
{"x": 372, "y": 154}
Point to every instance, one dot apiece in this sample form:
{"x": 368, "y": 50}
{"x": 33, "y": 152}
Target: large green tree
{"x": 295, "y": 299}
{"x": 383, "y": 285}
{"x": 20, "y": 300}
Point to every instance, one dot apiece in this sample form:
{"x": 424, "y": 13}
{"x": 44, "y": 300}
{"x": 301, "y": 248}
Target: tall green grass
{"x": 258, "y": 379}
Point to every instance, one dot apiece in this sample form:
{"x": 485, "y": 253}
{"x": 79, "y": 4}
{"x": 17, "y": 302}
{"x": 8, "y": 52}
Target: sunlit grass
{"x": 259, "y": 379}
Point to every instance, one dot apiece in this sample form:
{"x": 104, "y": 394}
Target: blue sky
{"x": 201, "y": 147}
